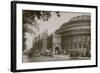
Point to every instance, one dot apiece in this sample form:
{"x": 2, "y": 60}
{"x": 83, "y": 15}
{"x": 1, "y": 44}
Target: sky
{"x": 55, "y": 22}
{"x": 51, "y": 25}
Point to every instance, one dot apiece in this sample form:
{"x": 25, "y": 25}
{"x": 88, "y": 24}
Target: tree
{"x": 30, "y": 18}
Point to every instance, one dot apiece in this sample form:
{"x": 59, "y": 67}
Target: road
{"x": 49, "y": 58}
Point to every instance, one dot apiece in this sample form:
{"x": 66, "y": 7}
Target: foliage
{"x": 30, "y": 18}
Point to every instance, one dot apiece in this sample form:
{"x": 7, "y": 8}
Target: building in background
{"x": 72, "y": 38}
{"x": 44, "y": 43}
{"x": 76, "y": 36}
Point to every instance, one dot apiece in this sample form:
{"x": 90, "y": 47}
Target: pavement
{"x": 42, "y": 58}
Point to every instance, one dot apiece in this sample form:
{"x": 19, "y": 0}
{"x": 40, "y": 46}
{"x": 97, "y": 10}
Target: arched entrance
{"x": 57, "y": 51}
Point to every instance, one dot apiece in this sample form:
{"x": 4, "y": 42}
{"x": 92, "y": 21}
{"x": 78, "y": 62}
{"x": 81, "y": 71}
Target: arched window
{"x": 75, "y": 45}
{"x": 85, "y": 45}
{"x": 71, "y": 46}
{"x": 79, "y": 45}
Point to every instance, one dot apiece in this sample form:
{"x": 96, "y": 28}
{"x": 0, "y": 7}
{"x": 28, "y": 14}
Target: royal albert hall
{"x": 76, "y": 36}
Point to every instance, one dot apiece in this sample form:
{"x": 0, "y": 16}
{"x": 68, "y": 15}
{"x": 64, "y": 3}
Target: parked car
{"x": 48, "y": 53}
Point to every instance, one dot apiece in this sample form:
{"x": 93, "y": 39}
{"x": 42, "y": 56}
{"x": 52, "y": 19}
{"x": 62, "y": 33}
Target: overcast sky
{"x": 55, "y": 22}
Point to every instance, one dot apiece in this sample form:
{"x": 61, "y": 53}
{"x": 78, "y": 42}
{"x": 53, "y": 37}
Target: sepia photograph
{"x": 48, "y": 36}
{"x": 56, "y": 36}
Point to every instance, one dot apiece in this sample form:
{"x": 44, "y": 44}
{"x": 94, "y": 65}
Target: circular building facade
{"x": 76, "y": 36}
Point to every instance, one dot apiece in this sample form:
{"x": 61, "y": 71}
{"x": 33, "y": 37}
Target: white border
{"x": 70, "y": 63}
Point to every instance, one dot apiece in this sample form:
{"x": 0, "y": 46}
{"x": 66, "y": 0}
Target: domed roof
{"x": 76, "y": 23}
{"x": 77, "y": 19}
{"x": 82, "y": 17}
